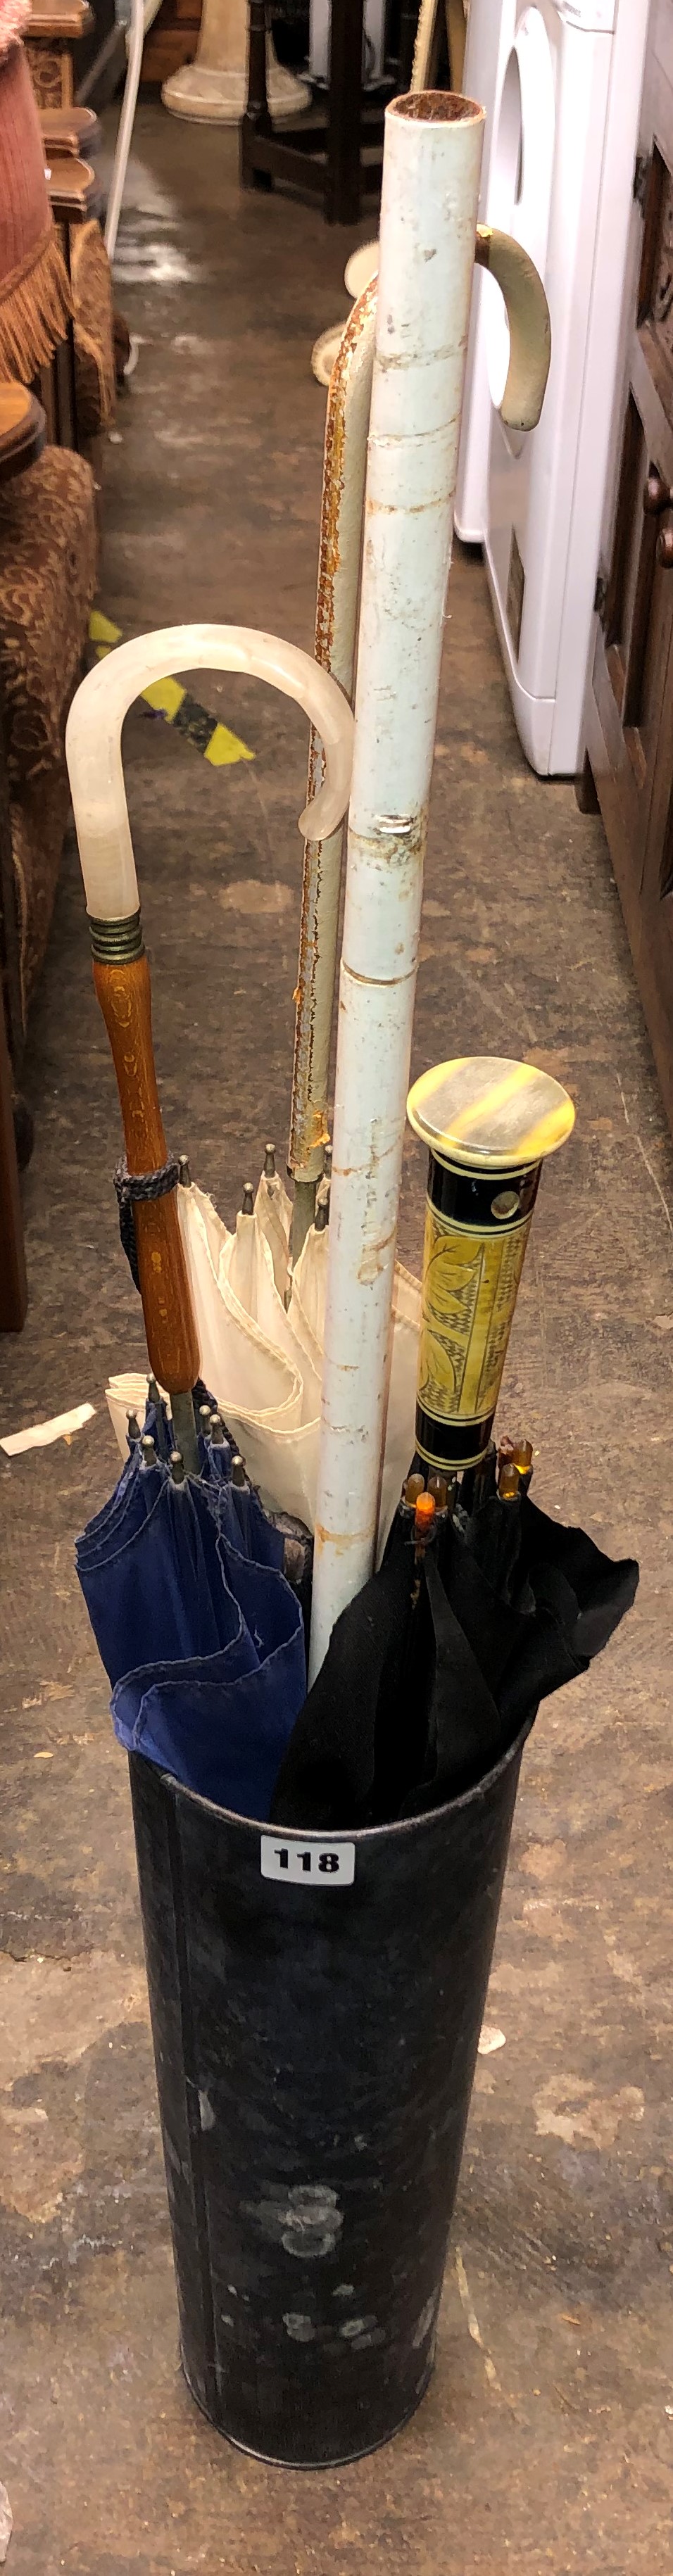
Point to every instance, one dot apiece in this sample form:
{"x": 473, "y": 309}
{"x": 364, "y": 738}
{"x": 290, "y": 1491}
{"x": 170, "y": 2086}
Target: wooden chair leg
{"x": 585, "y": 789}
{"x": 13, "y": 1282}
{"x": 408, "y": 26}
{"x": 342, "y": 191}
{"x": 257, "y": 119}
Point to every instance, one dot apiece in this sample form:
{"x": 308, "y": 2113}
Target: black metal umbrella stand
{"x": 316, "y": 2006}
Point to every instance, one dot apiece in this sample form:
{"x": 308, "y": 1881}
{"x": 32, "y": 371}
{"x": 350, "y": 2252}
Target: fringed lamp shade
{"x": 35, "y": 300}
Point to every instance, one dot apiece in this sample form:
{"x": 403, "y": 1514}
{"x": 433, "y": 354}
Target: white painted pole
{"x": 343, "y": 495}
{"x": 432, "y": 158}
{"x": 125, "y": 133}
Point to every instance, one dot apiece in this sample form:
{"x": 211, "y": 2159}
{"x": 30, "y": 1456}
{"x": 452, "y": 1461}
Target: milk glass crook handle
{"x": 93, "y": 740}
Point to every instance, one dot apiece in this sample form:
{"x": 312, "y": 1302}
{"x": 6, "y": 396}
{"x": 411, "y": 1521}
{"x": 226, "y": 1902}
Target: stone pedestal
{"x": 213, "y": 89}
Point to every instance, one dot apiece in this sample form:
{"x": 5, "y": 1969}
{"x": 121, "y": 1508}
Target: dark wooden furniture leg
{"x": 585, "y": 789}
{"x": 342, "y": 187}
{"x": 408, "y": 26}
{"x": 257, "y": 120}
{"x": 334, "y": 160}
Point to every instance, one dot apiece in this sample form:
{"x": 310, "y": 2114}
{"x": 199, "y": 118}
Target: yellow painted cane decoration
{"x": 489, "y": 1124}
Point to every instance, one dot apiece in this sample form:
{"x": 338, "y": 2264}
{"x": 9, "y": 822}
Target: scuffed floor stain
{"x": 51, "y": 2011}
{"x": 509, "y": 1979}
{"x": 51, "y": 2016}
{"x": 544, "y": 1860}
{"x": 569, "y": 2107}
{"x": 473, "y": 2326}
{"x": 256, "y": 895}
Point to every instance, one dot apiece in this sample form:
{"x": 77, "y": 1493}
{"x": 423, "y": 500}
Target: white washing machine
{"x": 560, "y": 177}
{"x": 490, "y": 35}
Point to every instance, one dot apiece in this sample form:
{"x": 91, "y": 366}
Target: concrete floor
{"x": 546, "y": 2440}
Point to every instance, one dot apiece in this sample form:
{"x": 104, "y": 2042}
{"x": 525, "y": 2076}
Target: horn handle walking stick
{"x": 529, "y": 326}
{"x": 121, "y": 970}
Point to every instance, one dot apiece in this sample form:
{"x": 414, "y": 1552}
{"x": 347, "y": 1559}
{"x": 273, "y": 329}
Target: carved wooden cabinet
{"x": 52, "y": 39}
{"x": 629, "y": 709}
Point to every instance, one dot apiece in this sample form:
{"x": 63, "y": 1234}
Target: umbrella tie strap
{"x": 140, "y": 1185}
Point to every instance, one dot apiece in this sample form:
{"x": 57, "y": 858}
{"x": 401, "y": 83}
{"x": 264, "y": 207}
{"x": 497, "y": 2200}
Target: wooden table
{"x": 23, "y": 430}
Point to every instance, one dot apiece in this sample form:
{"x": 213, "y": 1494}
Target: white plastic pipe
{"x": 125, "y": 128}
{"x": 431, "y": 167}
{"x": 343, "y": 493}
{"x": 93, "y": 740}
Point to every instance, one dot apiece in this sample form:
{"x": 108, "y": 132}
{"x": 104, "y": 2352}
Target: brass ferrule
{"x": 116, "y": 943}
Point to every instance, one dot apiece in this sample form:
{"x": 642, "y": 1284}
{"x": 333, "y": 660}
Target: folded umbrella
{"x": 265, "y": 1363}
{"x": 201, "y": 1636}
{"x": 418, "y": 1699}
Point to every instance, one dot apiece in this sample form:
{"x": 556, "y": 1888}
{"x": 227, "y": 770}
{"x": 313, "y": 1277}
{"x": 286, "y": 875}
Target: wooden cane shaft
{"x": 164, "y": 1288}
{"x": 125, "y": 997}
{"x": 124, "y": 993}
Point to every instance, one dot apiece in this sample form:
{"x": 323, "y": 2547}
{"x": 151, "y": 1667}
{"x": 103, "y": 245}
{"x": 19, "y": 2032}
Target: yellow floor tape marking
{"x": 166, "y": 696}
{"x": 223, "y": 748}
{"x": 102, "y": 634}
